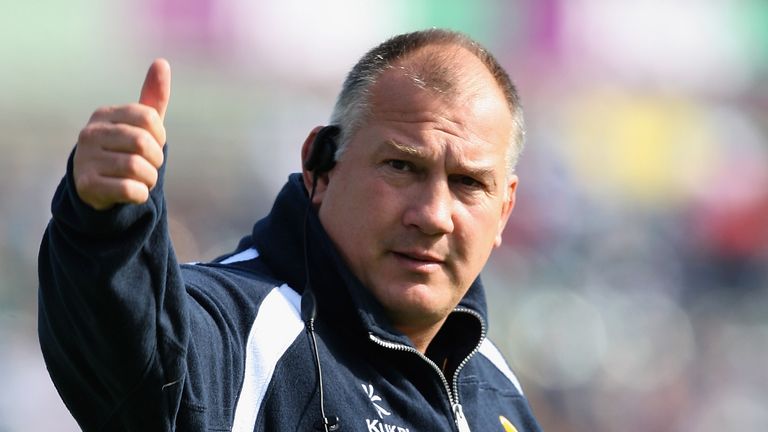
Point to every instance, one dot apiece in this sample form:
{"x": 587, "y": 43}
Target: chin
{"x": 418, "y": 311}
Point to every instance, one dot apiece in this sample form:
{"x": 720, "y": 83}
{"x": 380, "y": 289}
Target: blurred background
{"x": 631, "y": 292}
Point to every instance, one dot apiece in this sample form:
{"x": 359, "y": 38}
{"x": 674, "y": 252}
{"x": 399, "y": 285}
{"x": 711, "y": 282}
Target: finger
{"x": 102, "y": 193}
{"x": 156, "y": 91}
{"x": 135, "y": 114}
{"x": 128, "y": 166}
{"x": 123, "y": 138}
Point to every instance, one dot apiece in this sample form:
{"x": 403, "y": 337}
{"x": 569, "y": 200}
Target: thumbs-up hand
{"x": 120, "y": 149}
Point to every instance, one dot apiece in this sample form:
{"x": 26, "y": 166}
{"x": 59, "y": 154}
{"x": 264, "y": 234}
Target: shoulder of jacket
{"x": 489, "y": 351}
{"x": 239, "y": 270}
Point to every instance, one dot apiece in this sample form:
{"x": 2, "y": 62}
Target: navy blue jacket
{"x": 136, "y": 342}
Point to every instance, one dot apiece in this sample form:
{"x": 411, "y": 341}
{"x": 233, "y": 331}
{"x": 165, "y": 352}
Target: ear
{"x": 507, "y": 206}
{"x": 309, "y": 176}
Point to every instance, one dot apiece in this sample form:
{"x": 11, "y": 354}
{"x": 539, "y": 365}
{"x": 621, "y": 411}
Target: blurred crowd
{"x": 631, "y": 291}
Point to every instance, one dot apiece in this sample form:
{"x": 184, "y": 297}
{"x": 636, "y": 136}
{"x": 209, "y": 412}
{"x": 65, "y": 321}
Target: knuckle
{"x": 83, "y": 182}
{"x": 147, "y": 146}
{"x": 135, "y": 143}
{"x": 98, "y": 114}
{"x": 134, "y": 192}
{"x": 132, "y": 163}
{"x": 147, "y": 117}
{"x": 87, "y": 187}
{"x": 87, "y": 133}
{"x": 95, "y": 133}
{"x": 144, "y": 142}
{"x": 124, "y": 189}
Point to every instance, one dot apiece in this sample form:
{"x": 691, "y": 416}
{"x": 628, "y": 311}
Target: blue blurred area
{"x": 630, "y": 292}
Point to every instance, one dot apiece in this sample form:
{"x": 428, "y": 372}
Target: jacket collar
{"x": 280, "y": 239}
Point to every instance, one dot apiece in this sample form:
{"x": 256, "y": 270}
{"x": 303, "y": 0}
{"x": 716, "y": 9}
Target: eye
{"x": 399, "y": 165}
{"x": 468, "y": 182}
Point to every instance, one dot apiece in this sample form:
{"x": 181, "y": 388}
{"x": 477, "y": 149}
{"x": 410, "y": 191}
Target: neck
{"x": 421, "y": 336}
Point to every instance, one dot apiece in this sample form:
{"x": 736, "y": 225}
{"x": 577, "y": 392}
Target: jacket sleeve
{"x": 112, "y": 319}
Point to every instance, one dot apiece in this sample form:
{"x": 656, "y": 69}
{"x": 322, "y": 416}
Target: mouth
{"x": 419, "y": 261}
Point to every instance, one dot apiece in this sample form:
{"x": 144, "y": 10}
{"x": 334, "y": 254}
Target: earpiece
{"x": 323, "y": 150}
{"x": 320, "y": 159}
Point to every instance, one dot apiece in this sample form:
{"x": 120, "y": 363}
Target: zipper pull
{"x": 461, "y": 421}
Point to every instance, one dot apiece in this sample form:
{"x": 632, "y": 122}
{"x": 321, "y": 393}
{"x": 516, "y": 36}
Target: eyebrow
{"x": 481, "y": 172}
{"x": 409, "y": 150}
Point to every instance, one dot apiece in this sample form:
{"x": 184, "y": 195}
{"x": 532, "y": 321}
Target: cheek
{"x": 479, "y": 228}
{"x": 355, "y": 214}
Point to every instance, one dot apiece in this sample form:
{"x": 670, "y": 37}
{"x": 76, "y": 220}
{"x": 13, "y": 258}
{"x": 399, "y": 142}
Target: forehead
{"x": 445, "y": 88}
{"x": 445, "y": 69}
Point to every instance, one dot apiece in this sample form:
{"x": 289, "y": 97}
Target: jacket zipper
{"x": 453, "y": 394}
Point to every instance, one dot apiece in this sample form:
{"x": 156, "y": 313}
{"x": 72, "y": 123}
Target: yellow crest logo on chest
{"x": 508, "y": 426}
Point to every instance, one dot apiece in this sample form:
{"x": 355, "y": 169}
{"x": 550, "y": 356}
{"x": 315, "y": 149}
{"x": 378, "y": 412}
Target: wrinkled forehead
{"x": 448, "y": 70}
{"x": 450, "y": 98}
{"x": 445, "y": 82}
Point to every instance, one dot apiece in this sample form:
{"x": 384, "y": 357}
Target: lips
{"x": 421, "y": 256}
{"x": 419, "y": 261}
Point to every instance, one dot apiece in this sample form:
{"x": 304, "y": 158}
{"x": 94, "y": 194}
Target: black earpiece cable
{"x": 309, "y": 313}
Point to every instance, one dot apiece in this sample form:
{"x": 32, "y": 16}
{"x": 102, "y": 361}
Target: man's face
{"x": 421, "y": 194}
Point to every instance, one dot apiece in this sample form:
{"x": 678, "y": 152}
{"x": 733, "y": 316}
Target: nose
{"x": 430, "y": 208}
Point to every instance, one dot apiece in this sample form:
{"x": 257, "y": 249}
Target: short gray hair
{"x": 353, "y": 105}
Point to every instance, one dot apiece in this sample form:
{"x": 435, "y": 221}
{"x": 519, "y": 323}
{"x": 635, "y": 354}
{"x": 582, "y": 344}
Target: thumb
{"x": 156, "y": 90}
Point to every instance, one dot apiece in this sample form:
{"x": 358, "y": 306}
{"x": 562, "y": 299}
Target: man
{"x": 354, "y": 305}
